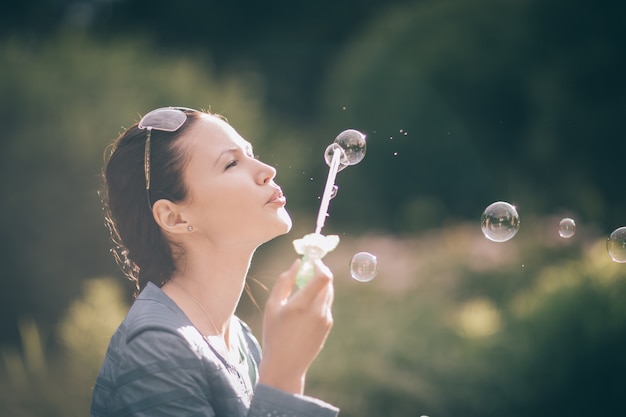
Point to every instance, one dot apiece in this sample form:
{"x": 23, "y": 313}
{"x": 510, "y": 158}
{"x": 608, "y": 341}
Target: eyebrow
{"x": 234, "y": 149}
{"x": 229, "y": 150}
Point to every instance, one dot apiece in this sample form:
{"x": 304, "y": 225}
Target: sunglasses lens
{"x": 166, "y": 119}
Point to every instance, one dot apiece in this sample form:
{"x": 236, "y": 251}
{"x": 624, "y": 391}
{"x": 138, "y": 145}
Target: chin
{"x": 286, "y": 220}
{"x": 279, "y": 225}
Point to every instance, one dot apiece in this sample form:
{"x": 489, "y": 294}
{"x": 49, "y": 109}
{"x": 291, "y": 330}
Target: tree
{"x": 466, "y": 103}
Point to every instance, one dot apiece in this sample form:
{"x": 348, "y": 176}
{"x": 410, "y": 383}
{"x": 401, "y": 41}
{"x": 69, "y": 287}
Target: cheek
{"x": 222, "y": 204}
{"x": 225, "y": 204}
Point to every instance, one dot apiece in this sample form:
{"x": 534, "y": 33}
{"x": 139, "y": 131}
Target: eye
{"x": 231, "y": 164}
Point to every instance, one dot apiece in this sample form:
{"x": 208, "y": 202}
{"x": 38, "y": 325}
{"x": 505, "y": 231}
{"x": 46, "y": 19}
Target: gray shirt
{"x": 158, "y": 364}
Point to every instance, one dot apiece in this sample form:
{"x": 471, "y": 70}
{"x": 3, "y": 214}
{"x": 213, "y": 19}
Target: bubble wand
{"x": 328, "y": 189}
{"x": 347, "y": 149}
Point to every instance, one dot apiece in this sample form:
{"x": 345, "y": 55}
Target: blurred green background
{"x": 464, "y": 102}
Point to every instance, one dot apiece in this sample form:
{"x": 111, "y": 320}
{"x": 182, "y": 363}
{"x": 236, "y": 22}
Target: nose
{"x": 266, "y": 173}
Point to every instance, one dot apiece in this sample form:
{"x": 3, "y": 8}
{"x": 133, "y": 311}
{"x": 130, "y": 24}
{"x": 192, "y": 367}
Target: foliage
{"x": 290, "y": 43}
{"x": 464, "y": 102}
{"x": 44, "y": 381}
{"x": 90, "y": 321}
{"x": 454, "y": 325}
{"x": 469, "y": 102}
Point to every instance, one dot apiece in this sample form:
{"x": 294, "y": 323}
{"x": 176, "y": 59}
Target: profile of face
{"x": 232, "y": 198}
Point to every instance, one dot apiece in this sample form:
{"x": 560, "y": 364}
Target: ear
{"x": 169, "y": 217}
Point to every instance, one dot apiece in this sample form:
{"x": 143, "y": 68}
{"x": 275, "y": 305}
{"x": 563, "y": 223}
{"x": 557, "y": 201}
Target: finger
{"x": 321, "y": 278}
{"x": 322, "y": 305}
{"x": 325, "y": 297}
{"x": 284, "y": 284}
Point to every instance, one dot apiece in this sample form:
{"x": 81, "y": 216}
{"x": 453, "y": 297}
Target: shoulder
{"x": 155, "y": 323}
{"x": 156, "y": 329}
{"x": 153, "y": 310}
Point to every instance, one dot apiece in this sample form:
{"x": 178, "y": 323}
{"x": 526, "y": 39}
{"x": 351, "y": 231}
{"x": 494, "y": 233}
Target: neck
{"x": 208, "y": 287}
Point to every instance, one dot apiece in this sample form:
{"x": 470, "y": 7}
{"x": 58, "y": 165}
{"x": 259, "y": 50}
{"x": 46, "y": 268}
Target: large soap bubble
{"x": 363, "y": 266}
{"x": 567, "y": 228}
{"x": 616, "y": 245}
{"x": 352, "y": 143}
{"x": 500, "y": 222}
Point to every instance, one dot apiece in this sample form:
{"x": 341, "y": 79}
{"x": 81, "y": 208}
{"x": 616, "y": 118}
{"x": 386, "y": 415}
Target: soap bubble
{"x": 616, "y": 245}
{"x": 567, "y": 228}
{"x": 353, "y": 143}
{"x": 500, "y": 222}
{"x": 343, "y": 157}
{"x": 363, "y": 266}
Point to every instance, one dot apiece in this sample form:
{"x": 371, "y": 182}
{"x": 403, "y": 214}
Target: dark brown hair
{"x": 140, "y": 248}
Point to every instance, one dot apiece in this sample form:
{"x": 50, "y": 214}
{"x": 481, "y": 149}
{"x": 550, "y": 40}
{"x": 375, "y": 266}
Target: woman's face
{"x": 232, "y": 197}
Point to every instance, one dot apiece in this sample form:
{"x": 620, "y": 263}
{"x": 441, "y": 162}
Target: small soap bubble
{"x": 616, "y": 245}
{"x": 500, "y": 222}
{"x": 363, "y": 266}
{"x": 333, "y": 191}
{"x": 567, "y": 228}
{"x": 353, "y": 143}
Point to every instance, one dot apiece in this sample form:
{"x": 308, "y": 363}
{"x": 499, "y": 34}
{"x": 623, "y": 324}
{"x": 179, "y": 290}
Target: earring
{"x": 190, "y": 228}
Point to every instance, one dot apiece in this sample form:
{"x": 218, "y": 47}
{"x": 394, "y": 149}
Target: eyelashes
{"x": 235, "y": 162}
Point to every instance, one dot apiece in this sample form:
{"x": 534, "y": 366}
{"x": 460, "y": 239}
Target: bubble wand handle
{"x": 328, "y": 189}
{"x": 314, "y": 246}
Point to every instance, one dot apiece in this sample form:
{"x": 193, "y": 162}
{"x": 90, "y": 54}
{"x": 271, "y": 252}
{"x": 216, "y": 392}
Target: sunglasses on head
{"x": 164, "y": 119}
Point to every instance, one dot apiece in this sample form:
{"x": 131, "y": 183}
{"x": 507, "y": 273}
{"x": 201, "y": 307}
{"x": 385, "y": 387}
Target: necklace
{"x": 206, "y": 314}
{"x": 245, "y": 382}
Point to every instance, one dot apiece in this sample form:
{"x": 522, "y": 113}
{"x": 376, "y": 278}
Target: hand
{"x": 295, "y": 327}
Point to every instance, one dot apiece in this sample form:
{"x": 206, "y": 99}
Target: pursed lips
{"x": 277, "y": 197}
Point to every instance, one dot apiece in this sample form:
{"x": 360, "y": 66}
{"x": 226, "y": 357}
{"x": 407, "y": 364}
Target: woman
{"x": 210, "y": 203}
